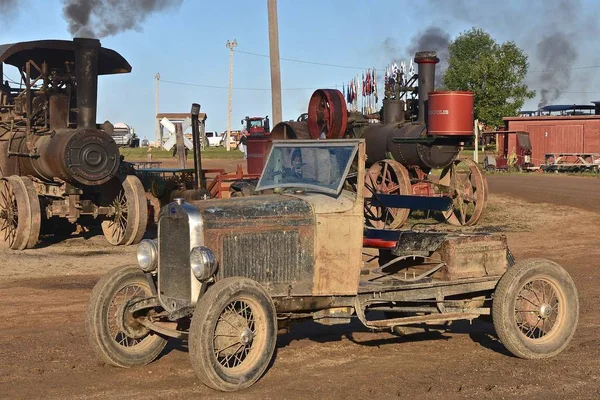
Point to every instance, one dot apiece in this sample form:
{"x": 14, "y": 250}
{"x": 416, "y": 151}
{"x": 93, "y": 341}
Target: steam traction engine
{"x": 417, "y": 135}
{"x": 55, "y": 162}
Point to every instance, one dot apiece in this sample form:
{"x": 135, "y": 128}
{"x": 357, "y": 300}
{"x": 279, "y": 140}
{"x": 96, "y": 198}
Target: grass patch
{"x": 141, "y": 153}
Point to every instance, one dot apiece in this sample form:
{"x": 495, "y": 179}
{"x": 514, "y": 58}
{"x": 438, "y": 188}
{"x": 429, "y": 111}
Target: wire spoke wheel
{"x": 114, "y": 333}
{"x": 235, "y": 334}
{"x": 385, "y": 177}
{"x": 129, "y": 212}
{"x": 232, "y": 334}
{"x": 535, "y": 309}
{"x": 20, "y": 216}
{"x": 467, "y": 185}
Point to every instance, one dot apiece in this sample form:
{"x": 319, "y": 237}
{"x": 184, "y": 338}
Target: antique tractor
{"x": 226, "y": 274}
{"x": 421, "y": 131}
{"x": 55, "y": 161}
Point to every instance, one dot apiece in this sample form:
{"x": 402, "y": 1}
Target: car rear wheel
{"x": 233, "y": 334}
{"x": 115, "y": 336}
{"x": 535, "y": 309}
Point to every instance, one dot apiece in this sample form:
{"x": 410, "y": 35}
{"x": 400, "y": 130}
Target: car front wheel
{"x": 233, "y": 334}
{"x": 115, "y": 336}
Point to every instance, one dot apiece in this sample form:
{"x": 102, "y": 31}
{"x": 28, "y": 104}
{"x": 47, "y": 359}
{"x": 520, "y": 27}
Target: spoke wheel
{"x": 129, "y": 218}
{"x": 114, "y": 333}
{"x": 20, "y": 216}
{"x": 385, "y": 177}
{"x": 535, "y": 309}
{"x": 233, "y": 334}
{"x": 467, "y": 184}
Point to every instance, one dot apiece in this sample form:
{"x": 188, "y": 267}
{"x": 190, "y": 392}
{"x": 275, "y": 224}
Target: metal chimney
{"x": 86, "y": 69}
{"x": 426, "y": 61}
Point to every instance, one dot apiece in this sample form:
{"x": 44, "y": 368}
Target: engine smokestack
{"x": 426, "y": 61}
{"x": 86, "y": 67}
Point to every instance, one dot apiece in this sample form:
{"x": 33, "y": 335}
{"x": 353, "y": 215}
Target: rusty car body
{"x": 227, "y": 274}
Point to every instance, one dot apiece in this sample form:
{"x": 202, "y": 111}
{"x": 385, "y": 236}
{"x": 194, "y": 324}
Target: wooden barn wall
{"x": 556, "y": 136}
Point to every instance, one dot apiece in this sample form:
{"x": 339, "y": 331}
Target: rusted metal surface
{"x": 385, "y": 177}
{"x": 86, "y": 67}
{"x": 473, "y": 256}
{"x": 327, "y": 114}
{"x": 88, "y": 157}
{"x": 266, "y": 237}
{"x": 20, "y": 217}
{"x": 48, "y": 129}
{"x": 466, "y": 183}
{"x": 380, "y": 144}
{"x": 56, "y": 53}
{"x": 290, "y": 130}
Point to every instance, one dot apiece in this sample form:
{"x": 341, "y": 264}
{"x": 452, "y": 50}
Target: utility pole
{"x": 230, "y": 46}
{"x": 274, "y": 58}
{"x": 157, "y": 130}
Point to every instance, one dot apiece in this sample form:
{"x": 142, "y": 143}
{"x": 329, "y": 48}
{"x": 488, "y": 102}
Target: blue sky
{"x": 188, "y": 45}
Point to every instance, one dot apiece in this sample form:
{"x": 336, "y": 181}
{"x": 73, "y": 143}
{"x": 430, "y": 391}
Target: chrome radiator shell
{"x": 180, "y": 229}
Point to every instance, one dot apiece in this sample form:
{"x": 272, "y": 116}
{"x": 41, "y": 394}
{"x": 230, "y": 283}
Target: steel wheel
{"x": 233, "y": 334}
{"x": 535, "y": 309}
{"x": 114, "y": 333}
{"x": 468, "y": 187}
{"x": 20, "y": 216}
{"x": 386, "y": 177}
{"x": 127, "y": 224}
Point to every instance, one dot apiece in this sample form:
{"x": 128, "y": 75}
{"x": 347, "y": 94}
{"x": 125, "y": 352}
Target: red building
{"x": 553, "y": 134}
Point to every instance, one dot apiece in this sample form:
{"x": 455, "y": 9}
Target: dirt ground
{"x": 44, "y": 350}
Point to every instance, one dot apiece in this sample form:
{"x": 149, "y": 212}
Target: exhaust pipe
{"x": 426, "y": 61}
{"x": 86, "y": 69}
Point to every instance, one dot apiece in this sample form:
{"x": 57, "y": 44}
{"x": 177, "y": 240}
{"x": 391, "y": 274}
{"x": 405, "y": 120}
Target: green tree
{"x": 493, "y": 72}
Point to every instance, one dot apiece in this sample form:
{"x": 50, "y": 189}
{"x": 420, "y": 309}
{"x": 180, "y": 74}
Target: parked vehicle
{"x": 257, "y": 126}
{"x": 213, "y": 138}
{"x": 226, "y": 274}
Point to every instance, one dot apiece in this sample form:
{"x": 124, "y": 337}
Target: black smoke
{"x": 433, "y": 39}
{"x": 101, "y": 18}
{"x": 7, "y": 6}
{"x": 556, "y": 53}
{"x": 557, "y": 36}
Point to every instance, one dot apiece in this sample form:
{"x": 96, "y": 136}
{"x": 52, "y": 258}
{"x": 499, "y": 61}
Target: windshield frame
{"x": 283, "y": 144}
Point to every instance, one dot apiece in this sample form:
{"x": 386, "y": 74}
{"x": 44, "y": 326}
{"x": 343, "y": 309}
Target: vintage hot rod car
{"x": 226, "y": 274}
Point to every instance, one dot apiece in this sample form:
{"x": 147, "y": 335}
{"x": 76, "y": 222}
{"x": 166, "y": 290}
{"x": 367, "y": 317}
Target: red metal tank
{"x": 450, "y": 113}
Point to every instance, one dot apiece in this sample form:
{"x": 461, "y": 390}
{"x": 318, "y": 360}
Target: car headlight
{"x": 147, "y": 255}
{"x": 203, "y": 262}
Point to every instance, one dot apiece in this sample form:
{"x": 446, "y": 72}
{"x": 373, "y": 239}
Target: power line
{"x": 307, "y": 62}
{"x": 565, "y": 69}
{"x": 380, "y": 69}
{"x": 238, "y": 88}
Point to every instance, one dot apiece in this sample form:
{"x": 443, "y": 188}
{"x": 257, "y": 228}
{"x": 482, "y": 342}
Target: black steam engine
{"x": 55, "y": 161}
{"x": 421, "y": 131}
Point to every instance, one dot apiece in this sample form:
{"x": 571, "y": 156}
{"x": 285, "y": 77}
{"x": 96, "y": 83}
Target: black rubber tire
{"x": 504, "y": 303}
{"x": 97, "y": 324}
{"x": 201, "y": 342}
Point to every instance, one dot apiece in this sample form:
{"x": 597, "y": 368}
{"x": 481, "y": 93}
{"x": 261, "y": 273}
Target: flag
{"x": 375, "y": 85}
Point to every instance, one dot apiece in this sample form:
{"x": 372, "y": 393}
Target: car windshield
{"x": 257, "y": 123}
{"x": 321, "y": 166}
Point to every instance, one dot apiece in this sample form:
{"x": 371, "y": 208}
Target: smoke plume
{"x": 556, "y": 53}
{"x": 101, "y": 18}
{"x": 7, "y": 7}
{"x": 433, "y": 39}
{"x": 553, "y": 33}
